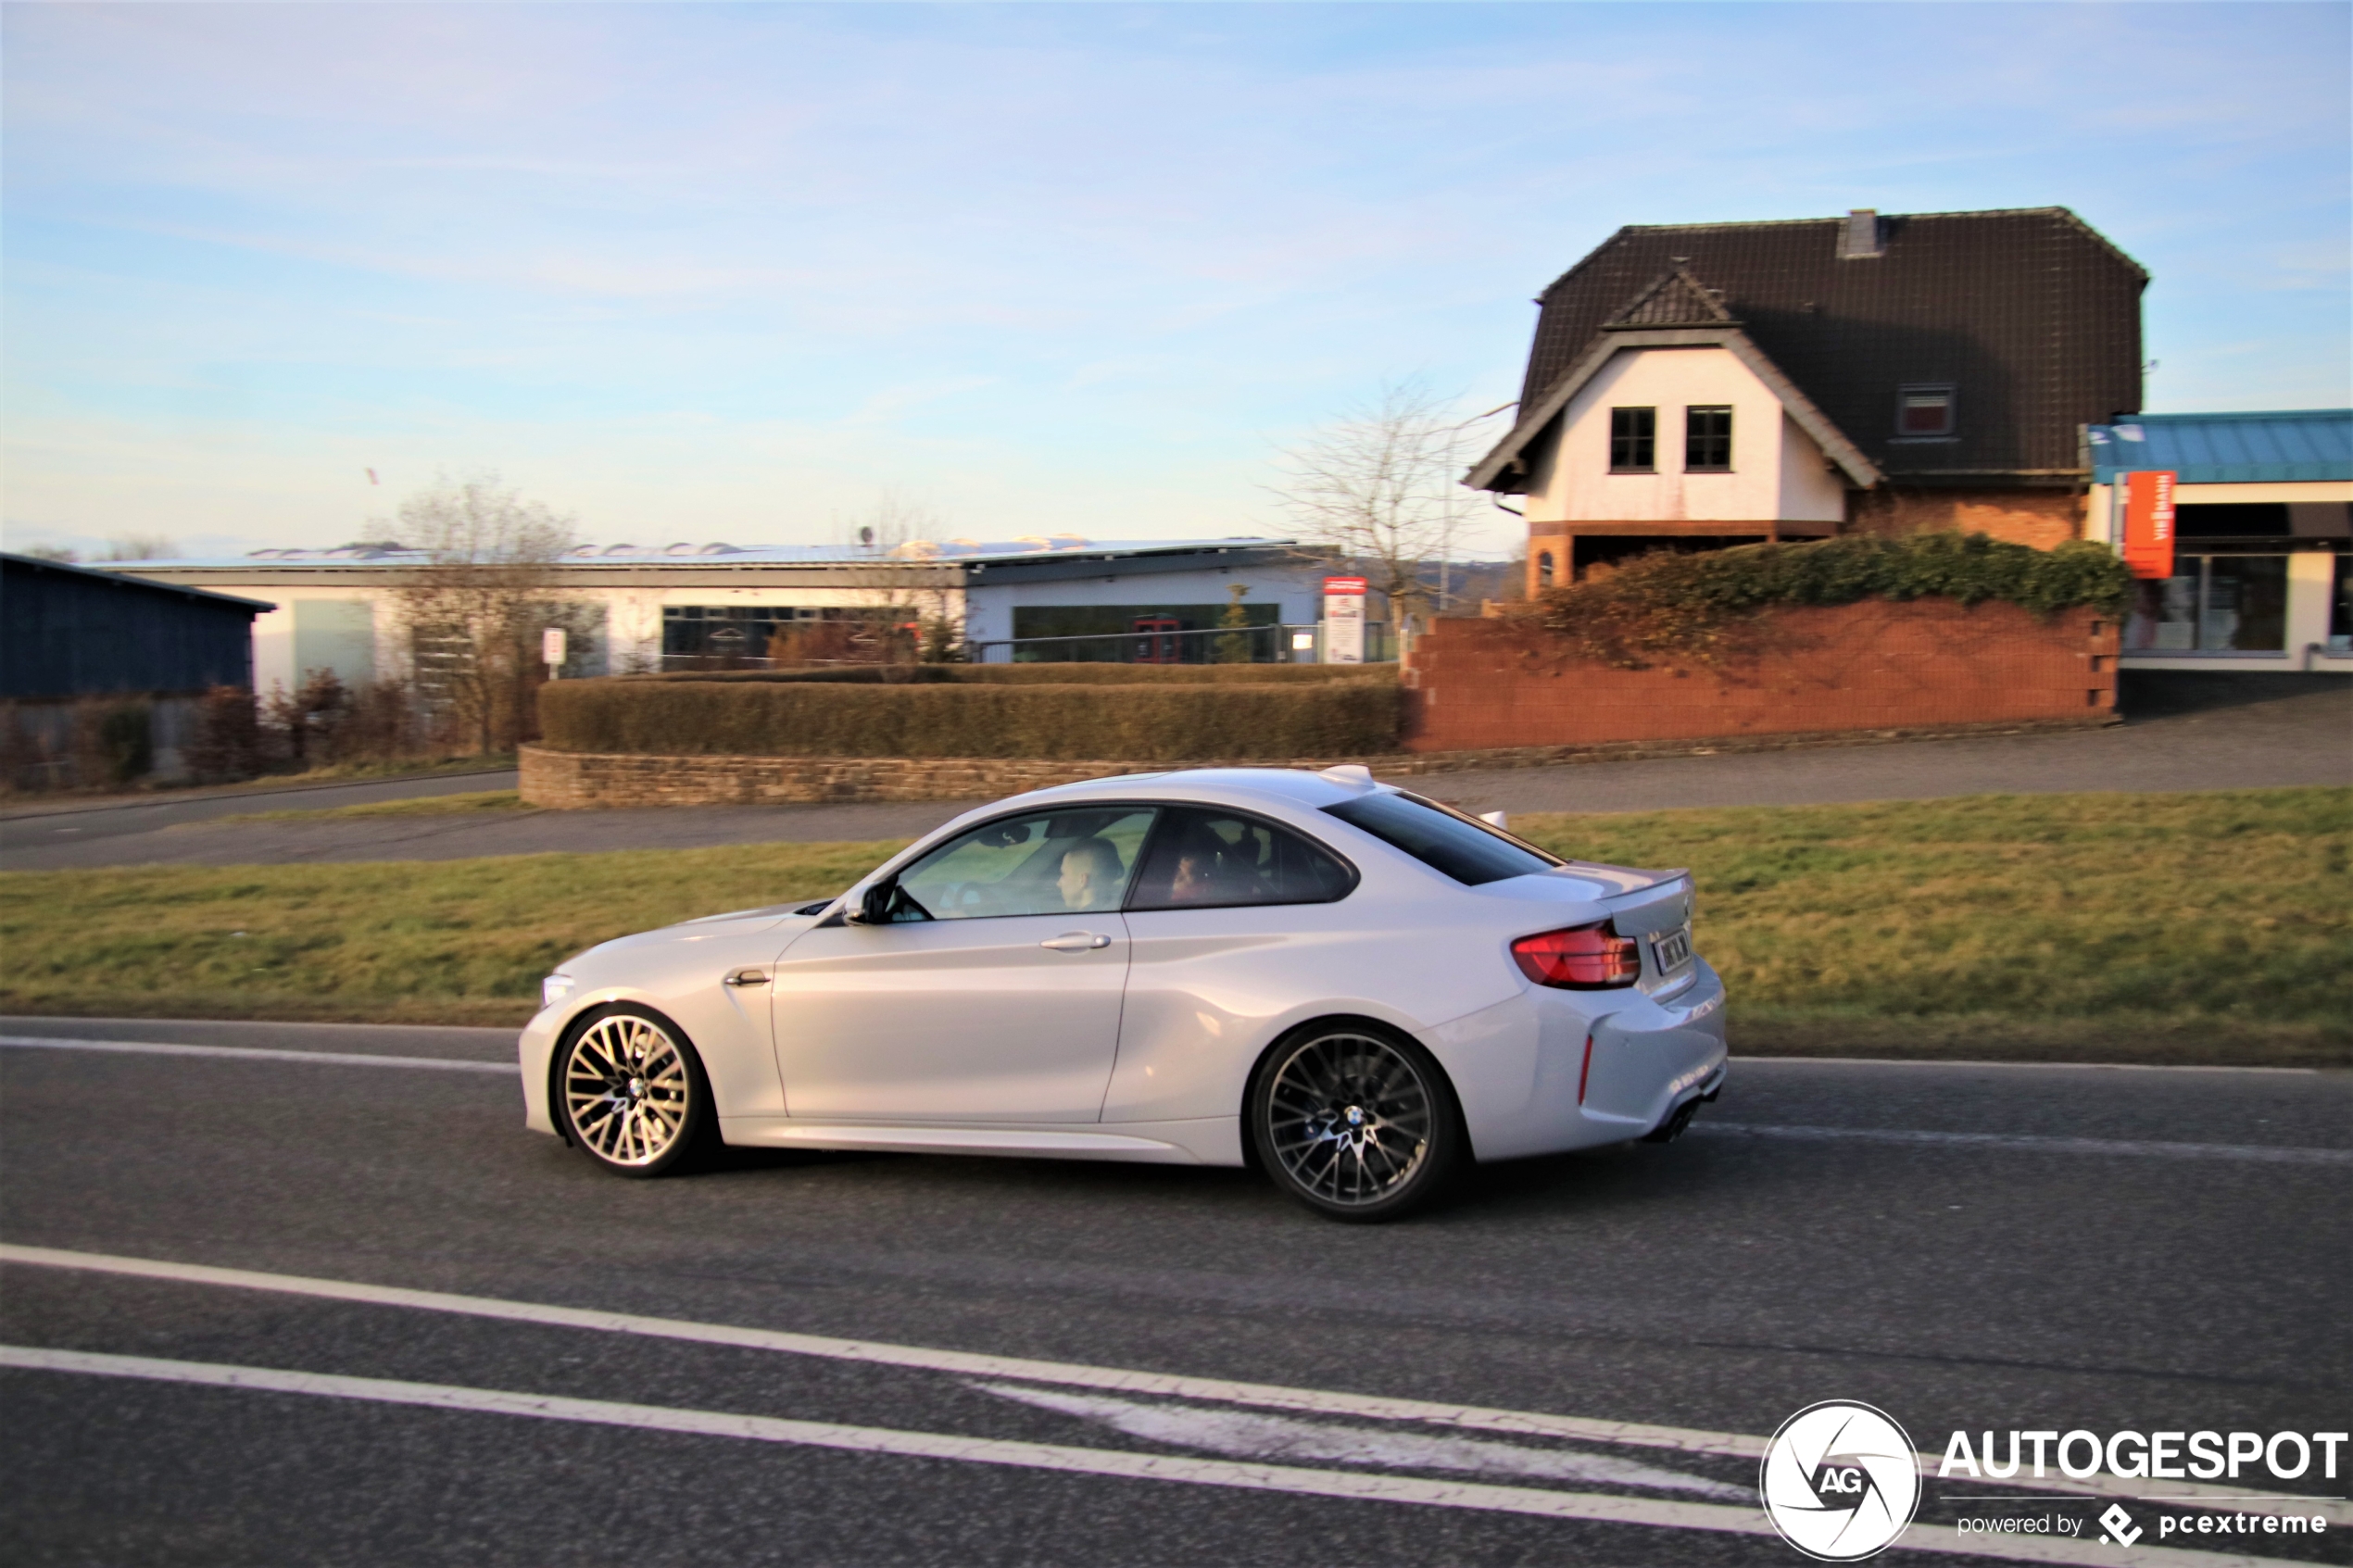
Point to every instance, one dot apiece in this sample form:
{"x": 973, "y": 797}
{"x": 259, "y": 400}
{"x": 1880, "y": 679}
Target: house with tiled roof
{"x": 1698, "y": 385}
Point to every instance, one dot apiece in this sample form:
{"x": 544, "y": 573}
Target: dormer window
{"x": 1924, "y": 411}
{"x": 1633, "y": 440}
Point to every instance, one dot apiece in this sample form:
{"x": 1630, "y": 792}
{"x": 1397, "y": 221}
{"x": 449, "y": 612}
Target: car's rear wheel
{"x": 1354, "y": 1122}
{"x": 631, "y": 1093}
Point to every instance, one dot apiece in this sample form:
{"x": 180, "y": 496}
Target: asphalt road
{"x": 1964, "y": 1246}
{"x": 2197, "y": 732}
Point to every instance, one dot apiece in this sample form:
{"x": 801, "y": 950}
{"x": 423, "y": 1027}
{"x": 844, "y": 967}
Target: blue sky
{"x": 707, "y": 272}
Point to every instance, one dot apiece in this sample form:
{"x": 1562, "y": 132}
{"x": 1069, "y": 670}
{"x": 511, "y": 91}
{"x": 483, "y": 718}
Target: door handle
{"x": 1076, "y": 942}
{"x": 746, "y": 977}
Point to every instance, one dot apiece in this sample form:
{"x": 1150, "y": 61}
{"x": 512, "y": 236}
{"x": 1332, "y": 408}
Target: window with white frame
{"x": 1924, "y": 411}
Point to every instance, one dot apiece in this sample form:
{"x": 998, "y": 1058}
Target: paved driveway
{"x": 2197, "y": 733}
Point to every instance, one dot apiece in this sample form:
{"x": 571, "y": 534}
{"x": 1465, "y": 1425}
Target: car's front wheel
{"x": 1355, "y": 1123}
{"x": 631, "y": 1092}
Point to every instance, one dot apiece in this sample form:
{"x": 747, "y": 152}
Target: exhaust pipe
{"x": 1676, "y": 1120}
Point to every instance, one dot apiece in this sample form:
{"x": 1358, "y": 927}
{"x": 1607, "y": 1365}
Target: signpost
{"x": 1344, "y": 619}
{"x": 2148, "y": 523}
{"x": 551, "y": 649}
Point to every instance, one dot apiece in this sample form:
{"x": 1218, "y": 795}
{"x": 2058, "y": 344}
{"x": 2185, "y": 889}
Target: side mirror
{"x": 875, "y": 907}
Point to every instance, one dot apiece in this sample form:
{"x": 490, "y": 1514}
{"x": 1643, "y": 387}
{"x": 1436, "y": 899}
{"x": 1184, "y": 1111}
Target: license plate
{"x": 1672, "y": 950}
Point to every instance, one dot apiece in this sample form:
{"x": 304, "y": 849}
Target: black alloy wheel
{"x": 1354, "y": 1122}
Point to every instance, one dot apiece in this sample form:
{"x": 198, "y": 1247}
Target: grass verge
{"x": 2210, "y": 928}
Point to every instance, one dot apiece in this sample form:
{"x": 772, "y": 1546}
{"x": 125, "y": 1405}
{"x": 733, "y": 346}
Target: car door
{"x": 1232, "y": 917}
{"x": 991, "y": 994}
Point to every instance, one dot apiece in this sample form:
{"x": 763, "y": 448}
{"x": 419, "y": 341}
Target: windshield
{"x": 1465, "y": 848}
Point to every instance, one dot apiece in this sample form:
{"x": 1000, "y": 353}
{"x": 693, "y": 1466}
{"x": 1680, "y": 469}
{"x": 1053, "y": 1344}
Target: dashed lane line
{"x": 1355, "y": 1486}
{"x": 1116, "y": 1380}
{"x": 257, "y": 1053}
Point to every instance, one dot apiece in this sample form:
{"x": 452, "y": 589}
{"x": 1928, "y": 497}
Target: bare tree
{"x": 1379, "y": 488}
{"x": 476, "y": 607}
{"x": 140, "y": 546}
{"x": 904, "y": 614}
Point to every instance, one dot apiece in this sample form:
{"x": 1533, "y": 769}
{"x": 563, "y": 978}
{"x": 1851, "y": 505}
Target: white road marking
{"x": 1592, "y": 1507}
{"x": 1264, "y": 1396}
{"x": 255, "y": 1053}
{"x": 1747, "y": 1062}
{"x": 2265, "y": 1154}
{"x": 1281, "y": 1439}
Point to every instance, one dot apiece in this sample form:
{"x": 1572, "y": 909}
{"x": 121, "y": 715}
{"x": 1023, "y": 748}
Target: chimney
{"x": 1859, "y": 240}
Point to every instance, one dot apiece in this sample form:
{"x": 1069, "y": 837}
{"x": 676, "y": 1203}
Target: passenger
{"x": 1195, "y": 879}
{"x": 1208, "y": 870}
{"x": 1091, "y": 875}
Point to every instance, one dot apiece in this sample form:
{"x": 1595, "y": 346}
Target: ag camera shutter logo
{"x": 1839, "y": 1481}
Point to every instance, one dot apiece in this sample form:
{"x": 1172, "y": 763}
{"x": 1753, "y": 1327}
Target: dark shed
{"x": 65, "y": 632}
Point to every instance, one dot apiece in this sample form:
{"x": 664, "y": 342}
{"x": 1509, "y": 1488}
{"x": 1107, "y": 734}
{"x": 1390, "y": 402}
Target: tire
{"x": 1354, "y": 1122}
{"x": 629, "y": 1092}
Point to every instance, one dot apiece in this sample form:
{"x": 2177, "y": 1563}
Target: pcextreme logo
{"x": 1839, "y": 1481}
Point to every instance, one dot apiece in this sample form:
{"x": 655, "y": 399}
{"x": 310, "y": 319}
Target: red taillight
{"x": 1587, "y": 959}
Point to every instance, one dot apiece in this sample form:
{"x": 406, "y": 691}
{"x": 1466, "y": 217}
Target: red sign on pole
{"x": 2148, "y": 523}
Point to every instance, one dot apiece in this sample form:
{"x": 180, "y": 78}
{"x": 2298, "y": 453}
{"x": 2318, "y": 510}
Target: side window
{"x": 1207, "y": 859}
{"x": 1047, "y": 863}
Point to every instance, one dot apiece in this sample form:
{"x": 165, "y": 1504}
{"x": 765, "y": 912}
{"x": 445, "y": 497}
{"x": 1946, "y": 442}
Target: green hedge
{"x": 1171, "y": 722}
{"x": 1704, "y": 607}
{"x": 1047, "y": 674}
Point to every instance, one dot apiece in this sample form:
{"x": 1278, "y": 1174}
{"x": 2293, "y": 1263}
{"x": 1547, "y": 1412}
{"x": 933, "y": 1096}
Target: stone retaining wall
{"x": 573, "y": 781}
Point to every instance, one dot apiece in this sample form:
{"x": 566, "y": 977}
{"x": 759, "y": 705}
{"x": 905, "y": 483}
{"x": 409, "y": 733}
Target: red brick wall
{"x": 1877, "y": 665}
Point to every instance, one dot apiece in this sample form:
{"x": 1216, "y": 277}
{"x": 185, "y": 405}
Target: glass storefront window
{"x": 2340, "y": 607}
{"x": 2213, "y": 603}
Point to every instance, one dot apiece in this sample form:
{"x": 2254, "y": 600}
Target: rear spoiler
{"x": 1623, "y": 879}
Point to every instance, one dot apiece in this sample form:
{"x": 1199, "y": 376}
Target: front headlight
{"x": 554, "y": 989}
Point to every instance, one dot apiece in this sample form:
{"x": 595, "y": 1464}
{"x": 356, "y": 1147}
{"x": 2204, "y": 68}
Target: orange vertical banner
{"x": 2148, "y": 523}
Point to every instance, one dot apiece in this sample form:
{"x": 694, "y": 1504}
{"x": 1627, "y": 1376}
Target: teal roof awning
{"x": 2299, "y": 446}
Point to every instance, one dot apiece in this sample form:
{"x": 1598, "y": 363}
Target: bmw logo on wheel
{"x": 1839, "y": 1481}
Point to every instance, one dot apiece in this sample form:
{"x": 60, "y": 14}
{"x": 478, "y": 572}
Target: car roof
{"x": 1227, "y": 786}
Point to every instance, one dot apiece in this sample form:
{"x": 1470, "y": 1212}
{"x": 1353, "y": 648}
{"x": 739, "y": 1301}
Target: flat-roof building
{"x": 2262, "y": 535}
{"x": 656, "y": 607}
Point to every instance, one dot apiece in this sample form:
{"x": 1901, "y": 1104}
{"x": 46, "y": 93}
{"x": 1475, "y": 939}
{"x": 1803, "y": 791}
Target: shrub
{"x": 113, "y": 742}
{"x": 1704, "y": 607}
{"x": 1051, "y": 674}
{"x": 1166, "y": 721}
{"x": 226, "y": 740}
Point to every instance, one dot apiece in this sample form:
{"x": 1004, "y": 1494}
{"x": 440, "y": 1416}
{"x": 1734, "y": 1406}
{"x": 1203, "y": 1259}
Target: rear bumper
{"x": 1650, "y": 1059}
{"x": 1647, "y": 1060}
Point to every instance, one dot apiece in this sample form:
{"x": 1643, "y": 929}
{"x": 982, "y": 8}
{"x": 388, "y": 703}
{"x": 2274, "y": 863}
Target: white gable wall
{"x": 1778, "y": 472}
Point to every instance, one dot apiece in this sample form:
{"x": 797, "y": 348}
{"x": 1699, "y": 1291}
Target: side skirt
{"x": 1207, "y": 1141}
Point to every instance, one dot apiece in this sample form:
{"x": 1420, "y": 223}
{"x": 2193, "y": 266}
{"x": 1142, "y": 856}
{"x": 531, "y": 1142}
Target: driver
{"x": 1091, "y": 875}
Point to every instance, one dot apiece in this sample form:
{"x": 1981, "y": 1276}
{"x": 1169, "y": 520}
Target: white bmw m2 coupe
{"x": 1347, "y": 985}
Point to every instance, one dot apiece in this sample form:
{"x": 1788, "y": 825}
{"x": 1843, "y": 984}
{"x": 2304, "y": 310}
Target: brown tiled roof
{"x": 2031, "y": 316}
